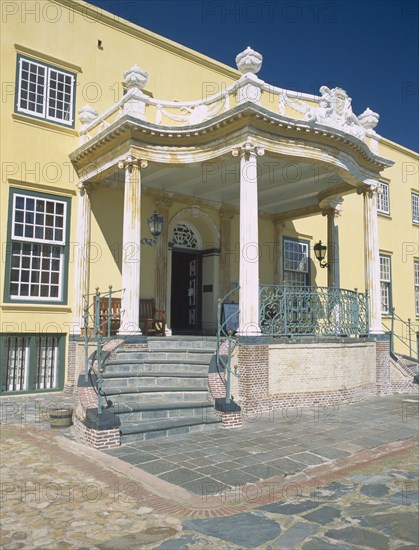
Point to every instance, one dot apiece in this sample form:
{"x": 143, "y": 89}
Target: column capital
{"x": 334, "y": 209}
{"x": 247, "y": 150}
{"x": 131, "y": 163}
{"x": 227, "y": 212}
{"x": 370, "y": 188}
{"x": 163, "y": 202}
{"x": 86, "y": 188}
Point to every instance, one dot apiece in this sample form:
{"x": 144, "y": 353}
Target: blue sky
{"x": 370, "y": 49}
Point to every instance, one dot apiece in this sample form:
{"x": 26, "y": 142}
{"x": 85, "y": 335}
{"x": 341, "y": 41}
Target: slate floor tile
{"x": 308, "y": 458}
{"x": 235, "y": 478}
{"x": 180, "y": 476}
{"x": 158, "y": 466}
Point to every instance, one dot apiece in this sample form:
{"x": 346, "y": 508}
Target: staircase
{"x": 162, "y": 390}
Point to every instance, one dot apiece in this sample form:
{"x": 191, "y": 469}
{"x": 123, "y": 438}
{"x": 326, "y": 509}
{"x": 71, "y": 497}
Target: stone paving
{"x": 57, "y": 494}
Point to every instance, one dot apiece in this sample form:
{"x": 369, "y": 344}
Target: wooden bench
{"x": 152, "y": 320}
{"x": 115, "y": 315}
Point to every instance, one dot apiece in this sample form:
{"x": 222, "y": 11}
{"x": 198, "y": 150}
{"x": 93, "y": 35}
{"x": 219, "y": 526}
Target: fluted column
{"x": 162, "y": 205}
{"x": 333, "y": 271}
{"x": 130, "y": 303}
{"x": 249, "y": 240}
{"x": 226, "y": 215}
{"x": 82, "y": 256}
{"x": 372, "y": 257}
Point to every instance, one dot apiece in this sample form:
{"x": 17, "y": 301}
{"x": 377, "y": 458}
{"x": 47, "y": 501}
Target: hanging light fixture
{"x": 155, "y": 224}
{"x": 320, "y": 253}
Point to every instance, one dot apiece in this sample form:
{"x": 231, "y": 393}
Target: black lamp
{"x": 320, "y": 253}
{"x": 155, "y": 224}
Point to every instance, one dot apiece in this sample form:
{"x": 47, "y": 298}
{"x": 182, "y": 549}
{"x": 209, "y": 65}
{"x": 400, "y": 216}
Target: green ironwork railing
{"x": 406, "y": 332}
{"x": 226, "y": 340}
{"x": 323, "y": 311}
{"x": 98, "y": 317}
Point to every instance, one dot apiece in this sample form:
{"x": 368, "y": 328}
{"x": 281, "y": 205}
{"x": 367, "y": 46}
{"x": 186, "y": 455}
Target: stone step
{"x": 161, "y": 410}
{"x": 147, "y": 379}
{"x": 136, "y": 395}
{"x": 203, "y": 356}
{"x": 185, "y": 342}
{"x": 163, "y": 428}
{"x": 148, "y": 365}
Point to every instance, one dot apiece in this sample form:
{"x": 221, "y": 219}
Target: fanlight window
{"x": 185, "y": 237}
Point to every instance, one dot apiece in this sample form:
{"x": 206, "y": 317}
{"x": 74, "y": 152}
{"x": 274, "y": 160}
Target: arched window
{"x": 185, "y": 237}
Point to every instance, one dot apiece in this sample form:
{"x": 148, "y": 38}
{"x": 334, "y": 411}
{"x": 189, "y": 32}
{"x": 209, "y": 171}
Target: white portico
{"x": 267, "y": 152}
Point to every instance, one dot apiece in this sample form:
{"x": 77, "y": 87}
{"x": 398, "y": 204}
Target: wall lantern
{"x": 320, "y": 253}
{"x": 155, "y": 224}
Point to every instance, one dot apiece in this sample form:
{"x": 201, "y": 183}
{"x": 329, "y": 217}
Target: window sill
{"x": 384, "y": 215}
{"x": 44, "y": 124}
{"x": 58, "y": 308}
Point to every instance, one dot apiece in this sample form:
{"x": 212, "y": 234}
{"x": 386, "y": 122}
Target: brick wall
{"x": 253, "y": 368}
{"x": 69, "y": 386}
{"x": 321, "y": 367}
{"x": 97, "y": 439}
{"x": 383, "y": 366}
{"x": 401, "y": 378}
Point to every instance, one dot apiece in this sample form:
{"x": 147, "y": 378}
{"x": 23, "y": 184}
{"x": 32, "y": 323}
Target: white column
{"x": 226, "y": 215}
{"x": 249, "y": 240}
{"x": 333, "y": 271}
{"x": 372, "y": 257}
{"x": 82, "y": 259}
{"x": 162, "y": 205}
{"x": 130, "y": 303}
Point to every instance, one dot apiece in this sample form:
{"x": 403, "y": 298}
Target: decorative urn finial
{"x": 87, "y": 114}
{"x": 135, "y": 77}
{"x": 249, "y": 61}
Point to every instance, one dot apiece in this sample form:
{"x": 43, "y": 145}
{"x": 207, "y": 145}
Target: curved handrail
{"x": 228, "y": 337}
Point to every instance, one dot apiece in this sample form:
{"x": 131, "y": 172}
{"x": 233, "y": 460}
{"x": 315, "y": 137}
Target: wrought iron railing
{"x": 227, "y": 322}
{"x": 406, "y": 333}
{"x": 323, "y": 311}
{"x": 99, "y": 315}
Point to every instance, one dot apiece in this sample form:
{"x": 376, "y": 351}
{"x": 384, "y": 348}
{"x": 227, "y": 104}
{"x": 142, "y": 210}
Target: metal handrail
{"x": 410, "y": 330}
{"x": 91, "y": 313}
{"x": 307, "y": 310}
{"x": 227, "y": 336}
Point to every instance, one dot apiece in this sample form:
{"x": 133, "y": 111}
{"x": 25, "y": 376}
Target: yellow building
{"x": 115, "y": 122}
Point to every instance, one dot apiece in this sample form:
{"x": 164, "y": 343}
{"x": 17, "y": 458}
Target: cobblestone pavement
{"x": 57, "y": 494}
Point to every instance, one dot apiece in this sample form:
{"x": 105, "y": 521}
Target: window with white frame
{"x": 417, "y": 287}
{"x": 45, "y": 92}
{"x": 295, "y": 263}
{"x": 385, "y": 281}
{"x": 383, "y": 199}
{"x": 37, "y": 237}
{"x": 31, "y": 362}
{"x": 415, "y": 207}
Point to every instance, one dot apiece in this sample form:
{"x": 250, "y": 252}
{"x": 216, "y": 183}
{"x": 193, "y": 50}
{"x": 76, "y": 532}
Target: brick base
{"x": 97, "y": 439}
{"x": 232, "y": 420}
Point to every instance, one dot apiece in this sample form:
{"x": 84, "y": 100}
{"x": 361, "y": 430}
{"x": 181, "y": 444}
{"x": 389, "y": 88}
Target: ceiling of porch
{"x": 284, "y": 185}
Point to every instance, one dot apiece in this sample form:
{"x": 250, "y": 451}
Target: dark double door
{"x": 186, "y": 302}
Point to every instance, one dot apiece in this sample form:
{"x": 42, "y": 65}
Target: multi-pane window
{"x": 383, "y": 199}
{"x": 45, "y": 92}
{"x": 385, "y": 281}
{"x": 37, "y": 247}
{"x": 417, "y": 287}
{"x": 31, "y": 362}
{"x": 415, "y": 207}
{"x": 295, "y": 263}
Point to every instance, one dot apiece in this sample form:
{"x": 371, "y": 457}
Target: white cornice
{"x": 297, "y": 130}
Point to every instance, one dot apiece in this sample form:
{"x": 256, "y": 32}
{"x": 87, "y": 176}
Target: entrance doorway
{"x": 186, "y": 306}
